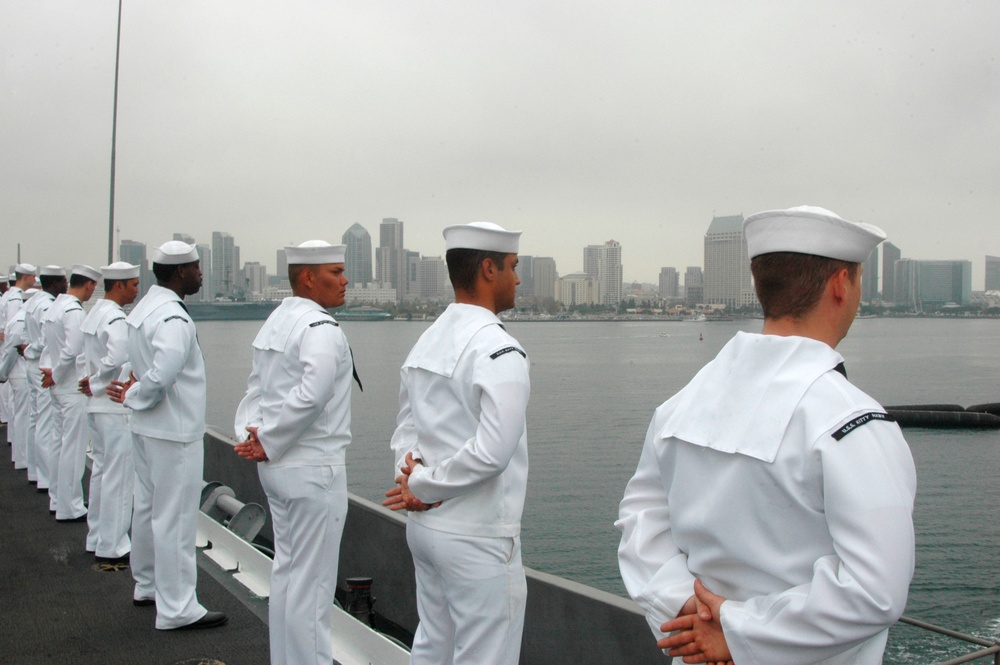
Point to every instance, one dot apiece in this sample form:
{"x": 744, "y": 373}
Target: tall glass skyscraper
{"x": 358, "y": 259}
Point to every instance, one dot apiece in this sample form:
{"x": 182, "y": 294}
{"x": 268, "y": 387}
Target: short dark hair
{"x": 790, "y": 284}
{"x": 295, "y": 271}
{"x": 76, "y": 280}
{"x": 110, "y": 283}
{"x": 48, "y": 281}
{"x": 463, "y": 265}
{"x": 165, "y": 271}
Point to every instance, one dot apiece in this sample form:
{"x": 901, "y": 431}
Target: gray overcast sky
{"x": 577, "y": 122}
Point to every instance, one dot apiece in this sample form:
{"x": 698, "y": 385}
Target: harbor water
{"x": 594, "y": 388}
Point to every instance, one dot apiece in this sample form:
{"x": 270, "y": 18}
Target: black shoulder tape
{"x": 849, "y": 427}
{"x": 120, "y": 318}
{"x": 508, "y": 349}
{"x": 319, "y": 323}
{"x": 176, "y": 316}
{"x": 74, "y": 309}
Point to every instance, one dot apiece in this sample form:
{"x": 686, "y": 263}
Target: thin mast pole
{"x": 114, "y": 136}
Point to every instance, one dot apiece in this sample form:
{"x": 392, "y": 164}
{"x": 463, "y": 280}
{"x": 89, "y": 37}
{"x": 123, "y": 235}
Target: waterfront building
{"x": 890, "y": 254}
{"x": 904, "y": 279}
{"x": 544, "y": 277}
{"x": 254, "y": 277}
{"x": 225, "y": 265}
{"x": 869, "y": 278}
{"x": 604, "y": 264}
{"x": 992, "y": 273}
{"x": 183, "y": 237}
{"x": 134, "y": 252}
{"x": 373, "y": 293}
{"x": 577, "y": 289}
{"x": 694, "y": 286}
{"x": 944, "y": 282}
{"x": 727, "y": 264}
{"x": 669, "y": 283}
{"x": 358, "y": 255}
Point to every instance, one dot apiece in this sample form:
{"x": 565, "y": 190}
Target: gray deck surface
{"x": 57, "y": 607}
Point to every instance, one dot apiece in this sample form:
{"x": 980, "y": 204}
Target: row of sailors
{"x": 65, "y": 372}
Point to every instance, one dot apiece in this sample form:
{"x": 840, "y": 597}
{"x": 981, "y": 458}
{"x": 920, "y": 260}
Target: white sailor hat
{"x": 30, "y": 291}
{"x": 175, "y": 252}
{"x": 315, "y": 252}
{"x": 484, "y": 236}
{"x": 810, "y": 230}
{"x": 12, "y": 277}
{"x": 51, "y": 271}
{"x": 120, "y": 270}
{"x": 86, "y": 271}
{"x": 25, "y": 269}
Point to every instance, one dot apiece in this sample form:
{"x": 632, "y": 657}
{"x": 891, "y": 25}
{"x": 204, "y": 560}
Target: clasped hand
{"x": 697, "y": 631}
{"x": 251, "y": 449}
{"x": 400, "y": 497}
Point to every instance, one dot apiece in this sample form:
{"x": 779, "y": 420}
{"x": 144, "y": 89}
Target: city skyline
{"x": 638, "y": 120}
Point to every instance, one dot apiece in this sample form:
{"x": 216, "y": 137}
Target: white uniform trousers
{"x": 471, "y": 595}
{"x": 168, "y": 476}
{"x": 18, "y": 424}
{"x": 308, "y": 508}
{"x": 112, "y": 479}
{"x": 6, "y": 409}
{"x": 75, "y": 435}
{"x": 41, "y": 432}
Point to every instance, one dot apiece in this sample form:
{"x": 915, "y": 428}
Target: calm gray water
{"x": 594, "y": 388}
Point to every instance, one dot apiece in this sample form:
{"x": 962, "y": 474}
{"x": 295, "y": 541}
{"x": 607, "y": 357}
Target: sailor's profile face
{"x": 507, "y": 283}
{"x": 331, "y": 284}
{"x": 192, "y": 277}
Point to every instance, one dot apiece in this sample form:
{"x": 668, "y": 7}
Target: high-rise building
{"x": 727, "y": 264}
{"x": 544, "y": 276}
{"x": 992, "y": 273}
{"x": 391, "y": 258}
{"x": 604, "y": 264}
{"x": 225, "y": 265}
{"x": 694, "y": 286}
{"x": 526, "y": 273}
{"x": 904, "y": 281}
{"x": 869, "y": 278}
{"x": 254, "y": 277}
{"x": 669, "y": 283}
{"x": 134, "y": 252}
{"x": 358, "y": 255}
{"x": 890, "y": 254}
{"x": 183, "y": 237}
{"x": 432, "y": 279}
{"x": 207, "y": 292}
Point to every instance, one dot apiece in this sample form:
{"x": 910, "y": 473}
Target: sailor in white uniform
{"x": 166, "y": 393}
{"x": 42, "y": 431}
{"x": 62, "y": 327}
{"x": 297, "y": 413}
{"x": 13, "y": 370}
{"x": 11, "y": 300}
{"x": 112, "y": 474}
{"x": 461, "y": 443}
{"x": 770, "y": 517}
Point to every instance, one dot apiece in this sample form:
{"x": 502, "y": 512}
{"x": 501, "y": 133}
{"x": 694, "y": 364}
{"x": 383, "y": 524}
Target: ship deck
{"x": 58, "y": 606}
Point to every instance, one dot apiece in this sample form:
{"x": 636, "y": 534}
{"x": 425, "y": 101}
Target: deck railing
{"x": 992, "y": 648}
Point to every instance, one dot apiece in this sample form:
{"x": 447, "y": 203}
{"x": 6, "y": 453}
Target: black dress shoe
{"x": 81, "y": 518}
{"x": 32, "y": 482}
{"x": 42, "y": 490}
{"x": 112, "y": 559}
{"x": 143, "y": 602}
{"x": 52, "y": 512}
{"x": 210, "y": 620}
